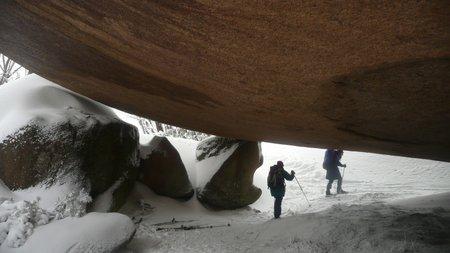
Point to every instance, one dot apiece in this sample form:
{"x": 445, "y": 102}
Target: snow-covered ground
{"x": 368, "y": 177}
{"x": 365, "y": 220}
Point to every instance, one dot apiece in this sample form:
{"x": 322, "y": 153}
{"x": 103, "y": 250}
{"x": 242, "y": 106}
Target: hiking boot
{"x": 342, "y": 192}
{"x": 327, "y": 193}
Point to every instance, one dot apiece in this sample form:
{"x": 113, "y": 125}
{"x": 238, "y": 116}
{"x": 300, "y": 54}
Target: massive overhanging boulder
{"x": 364, "y": 76}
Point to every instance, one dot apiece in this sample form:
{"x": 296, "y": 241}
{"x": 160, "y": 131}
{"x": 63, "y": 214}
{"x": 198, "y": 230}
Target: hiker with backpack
{"x": 276, "y": 183}
{"x": 332, "y": 163}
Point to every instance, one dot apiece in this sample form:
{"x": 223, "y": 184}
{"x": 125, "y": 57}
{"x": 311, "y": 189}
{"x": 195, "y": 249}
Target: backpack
{"x": 275, "y": 176}
{"x": 329, "y": 160}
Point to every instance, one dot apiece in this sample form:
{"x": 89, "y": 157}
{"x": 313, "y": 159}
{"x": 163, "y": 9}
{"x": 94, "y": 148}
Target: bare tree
{"x": 154, "y": 127}
{"x": 9, "y": 69}
{"x": 159, "y": 127}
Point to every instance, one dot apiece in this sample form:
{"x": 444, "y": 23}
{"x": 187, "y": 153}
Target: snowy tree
{"x": 154, "y": 127}
{"x": 10, "y": 70}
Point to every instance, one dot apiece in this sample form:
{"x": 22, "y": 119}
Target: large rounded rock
{"x": 101, "y": 151}
{"x": 163, "y": 170}
{"x": 369, "y": 76}
{"x": 232, "y": 186}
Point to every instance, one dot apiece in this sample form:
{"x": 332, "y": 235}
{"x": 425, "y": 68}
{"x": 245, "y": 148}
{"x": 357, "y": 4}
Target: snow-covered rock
{"x": 57, "y": 150}
{"x": 22, "y": 211}
{"x": 94, "y": 232}
{"x": 163, "y": 170}
{"x": 232, "y": 186}
{"x": 48, "y": 131}
{"x": 17, "y": 220}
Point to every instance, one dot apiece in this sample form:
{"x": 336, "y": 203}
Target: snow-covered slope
{"x": 373, "y": 227}
{"x": 368, "y": 177}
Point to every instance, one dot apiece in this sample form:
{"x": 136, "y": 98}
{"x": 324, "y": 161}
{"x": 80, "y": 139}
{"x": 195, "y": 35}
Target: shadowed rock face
{"x": 369, "y": 76}
{"x": 97, "y": 154}
{"x": 164, "y": 172}
{"x": 232, "y": 186}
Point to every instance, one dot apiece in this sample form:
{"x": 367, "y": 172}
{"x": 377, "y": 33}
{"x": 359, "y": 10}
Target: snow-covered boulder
{"x": 94, "y": 232}
{"x": 163, "y": 170}
{"x": 214, "y": 146}
{"x": 47, "y": 131}
{"x": 232, "y": 186}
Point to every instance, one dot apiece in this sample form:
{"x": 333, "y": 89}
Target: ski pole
{"x": 302, "y": 190}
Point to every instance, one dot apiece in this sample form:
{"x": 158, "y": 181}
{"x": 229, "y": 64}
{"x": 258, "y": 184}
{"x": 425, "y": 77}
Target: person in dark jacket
{"x": 277, "y": 185}
{"x": 332, "y": 163}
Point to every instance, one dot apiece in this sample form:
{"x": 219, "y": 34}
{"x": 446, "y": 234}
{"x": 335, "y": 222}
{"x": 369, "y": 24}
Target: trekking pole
{"x": 302, "y": 190}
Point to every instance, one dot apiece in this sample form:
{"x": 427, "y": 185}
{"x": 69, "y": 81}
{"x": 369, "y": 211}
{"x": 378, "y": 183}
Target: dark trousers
{"x": 277, "y": 207}
{"x": 330, "y": 183}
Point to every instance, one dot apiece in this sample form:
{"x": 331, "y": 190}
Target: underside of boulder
{"x": 367, "y": 76}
